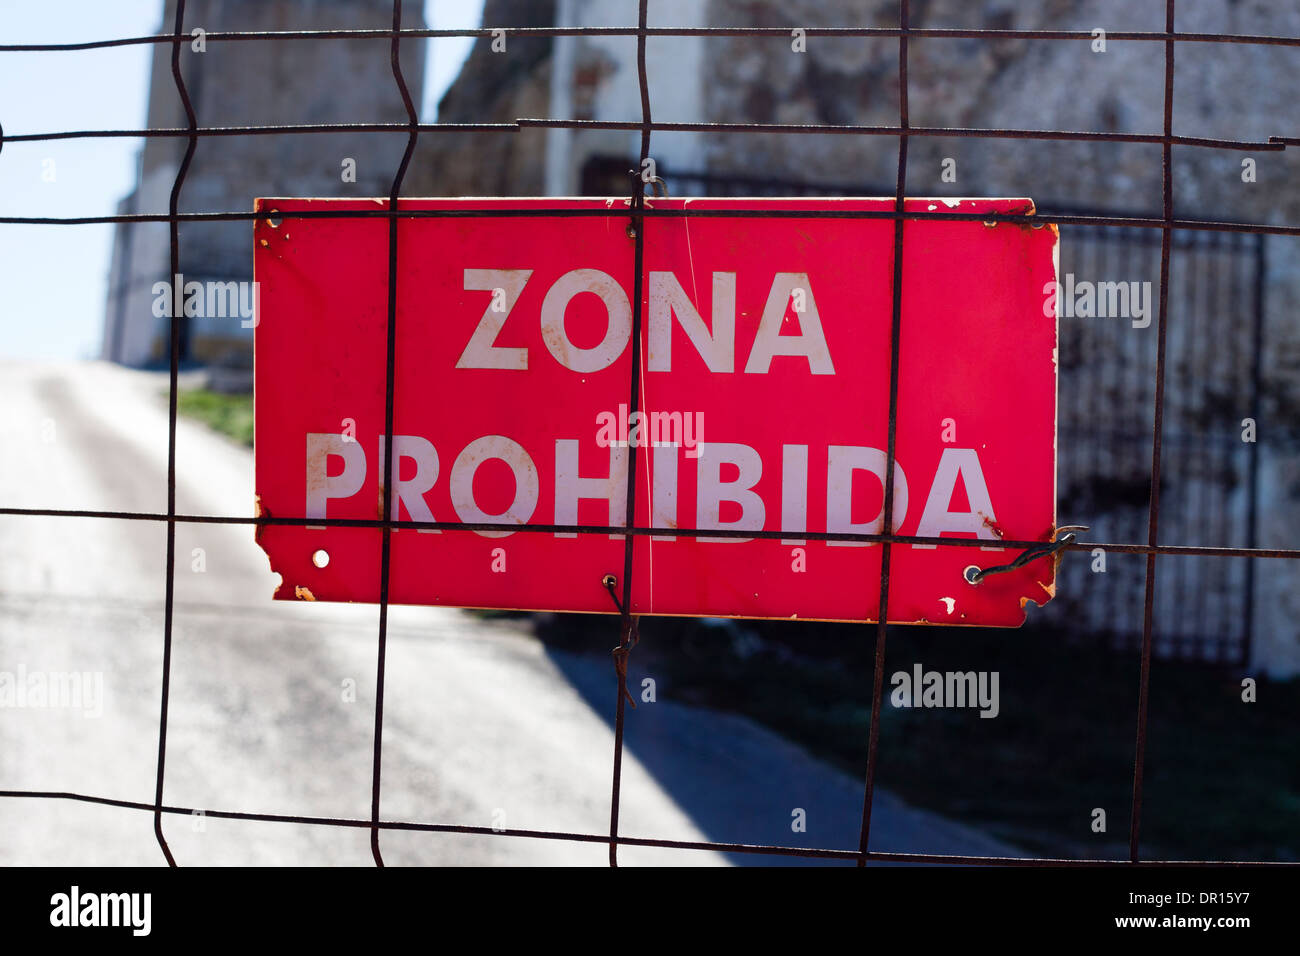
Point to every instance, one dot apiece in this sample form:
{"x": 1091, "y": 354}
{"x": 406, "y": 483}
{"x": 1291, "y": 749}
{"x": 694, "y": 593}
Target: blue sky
{"x": 53, "y": 279}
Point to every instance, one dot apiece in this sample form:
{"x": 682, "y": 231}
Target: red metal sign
{"x": 764, "y": 396}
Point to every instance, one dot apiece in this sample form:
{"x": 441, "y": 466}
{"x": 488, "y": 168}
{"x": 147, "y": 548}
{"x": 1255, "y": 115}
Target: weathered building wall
{"x": 252, "y": 83}
{"x": 494, "y": 88}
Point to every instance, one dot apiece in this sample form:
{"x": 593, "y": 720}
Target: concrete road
{"x": 272, "y": 704}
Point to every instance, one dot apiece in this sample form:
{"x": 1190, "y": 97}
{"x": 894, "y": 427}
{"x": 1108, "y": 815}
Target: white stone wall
{"x": 255, "y": 83}
{"x": 597, "y": 78}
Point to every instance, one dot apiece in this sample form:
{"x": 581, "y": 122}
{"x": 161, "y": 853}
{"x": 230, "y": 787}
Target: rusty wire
{"x": 638, "y": 211}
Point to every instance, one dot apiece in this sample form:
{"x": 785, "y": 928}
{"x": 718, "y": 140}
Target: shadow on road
{"x": 740, "y": 783}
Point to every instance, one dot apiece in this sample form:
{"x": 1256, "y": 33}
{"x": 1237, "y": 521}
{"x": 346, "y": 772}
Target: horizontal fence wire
{"x": 784, "y": 32}
{"x": 638, "y": 207}
{"x": 990, "y": 544}
{"x": 1146, "y": 222}
{"x": 955, "y": 132}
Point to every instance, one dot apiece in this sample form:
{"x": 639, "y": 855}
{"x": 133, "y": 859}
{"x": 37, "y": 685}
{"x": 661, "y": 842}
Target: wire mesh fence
{"x": 1210, "y": 473}
{"x": 1179, "y": 238}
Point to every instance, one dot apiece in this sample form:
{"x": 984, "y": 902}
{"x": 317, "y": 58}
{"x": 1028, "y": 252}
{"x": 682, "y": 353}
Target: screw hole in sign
{"x": 320, "y": 558}
{"x": 274, "y": 221}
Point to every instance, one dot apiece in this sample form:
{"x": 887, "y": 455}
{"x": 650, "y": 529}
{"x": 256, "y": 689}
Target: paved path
{"x": 483, "y": 724}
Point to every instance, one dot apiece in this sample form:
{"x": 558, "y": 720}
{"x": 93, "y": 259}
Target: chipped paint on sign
{"x": 774, "y": 331}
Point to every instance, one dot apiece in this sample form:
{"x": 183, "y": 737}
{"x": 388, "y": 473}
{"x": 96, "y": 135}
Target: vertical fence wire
{"x": 886, "y": 550}
{"x": 389, "y": 469}
{"x": 626, "y": 624}
{"x": 177, "y": 317}
{"x": 1166, "y": 237}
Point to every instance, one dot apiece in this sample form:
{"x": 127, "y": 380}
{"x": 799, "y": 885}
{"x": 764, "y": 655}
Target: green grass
{"x": 229, "y": 414}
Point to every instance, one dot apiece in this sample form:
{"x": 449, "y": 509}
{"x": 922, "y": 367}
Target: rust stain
{"x": 558, "y": 342}
{"x": 1025, "y": 208}
{"x": 554, "y": 336}
{"x": 992, "y": 525}
{"x": 259, "y": 511}
{"x": 1048, "y": 589}
{"x": 317, "y": 464}
{"x": 303, "y": 594}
